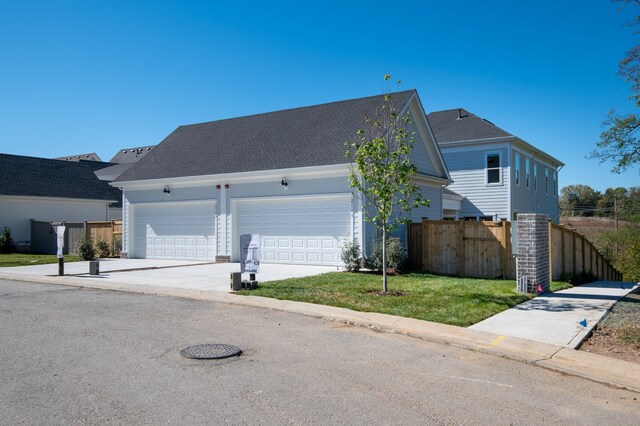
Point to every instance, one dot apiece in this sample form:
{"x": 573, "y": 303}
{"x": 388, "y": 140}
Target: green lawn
{"x": 449, "y": 300}
{"x": 26, "y": 259}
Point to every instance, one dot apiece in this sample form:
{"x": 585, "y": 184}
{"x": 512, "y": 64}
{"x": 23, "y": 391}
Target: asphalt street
{"x": 83, "y": 356}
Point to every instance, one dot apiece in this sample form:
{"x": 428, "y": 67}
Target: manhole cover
{"x": 210, "y": 351}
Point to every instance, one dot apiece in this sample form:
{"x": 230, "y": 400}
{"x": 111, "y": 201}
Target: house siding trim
{"x": 241, "y": 177}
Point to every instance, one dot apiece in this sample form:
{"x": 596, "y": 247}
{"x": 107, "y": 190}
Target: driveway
{"x": 164, "y": 273}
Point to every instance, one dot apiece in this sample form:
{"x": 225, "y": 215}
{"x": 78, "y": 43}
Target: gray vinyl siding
{"x": 528, "y": 200}
{"x": 467, "y": 169}
{"x": 419, "y": 155}
{"x": 521, "y": 196}
{"x": 432, "y": 212}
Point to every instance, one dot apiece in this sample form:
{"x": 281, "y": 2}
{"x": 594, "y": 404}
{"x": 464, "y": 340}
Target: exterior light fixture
{"x": 167, "y": 190}
{"x": 284, "y": 184}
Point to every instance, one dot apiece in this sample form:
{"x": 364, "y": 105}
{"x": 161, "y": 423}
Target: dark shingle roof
{"x": 112, "y": 172}
{"x": 92, "y": 156}
{"x": 42, "y": 177}
{"x": 300, "y": 137}
{"x": 131, "y": 155}
{"x": 448, "y": 127}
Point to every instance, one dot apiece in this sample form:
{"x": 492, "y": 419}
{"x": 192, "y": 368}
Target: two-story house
{"x": 498, "y": 174}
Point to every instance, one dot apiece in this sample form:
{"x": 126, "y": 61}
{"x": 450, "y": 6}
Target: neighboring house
{"x": 122, "y": 161}
{"x": 131, "y": 155}
{"x": 50, "y": 190}
{"x": 282, "y": 175}
{"x": 498, "y": 174}
{"x": 92, "y": 156}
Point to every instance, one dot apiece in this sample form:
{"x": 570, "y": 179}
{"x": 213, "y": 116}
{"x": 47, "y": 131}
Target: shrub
{"x": 103, "y": 249}
{"x": 7, "y": 245}
{"x": 396, "y": 255}
{"x": 85, "y": 249}
{"x": 116, "y": 245}
{"x": 351, "y": 256}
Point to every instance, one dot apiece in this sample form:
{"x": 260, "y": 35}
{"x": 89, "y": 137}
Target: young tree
{"x": 383, "y": 171}
{"x": 620, "y": 143}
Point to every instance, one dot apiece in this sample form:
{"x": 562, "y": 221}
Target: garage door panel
{"x": 181, "y": 231}
{"x": 297, "y": 230}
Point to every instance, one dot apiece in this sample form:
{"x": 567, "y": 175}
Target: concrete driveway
{"x": 164, "y": 273}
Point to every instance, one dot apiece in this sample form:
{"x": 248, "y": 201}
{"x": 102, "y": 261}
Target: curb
{"x": 597, "y": 368}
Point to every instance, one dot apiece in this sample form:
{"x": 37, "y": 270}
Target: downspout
{"x": 556, "y": 192}
{"x": 509, "y": 154}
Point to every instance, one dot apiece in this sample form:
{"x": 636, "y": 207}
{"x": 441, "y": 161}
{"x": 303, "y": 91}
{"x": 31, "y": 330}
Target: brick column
{"x": 533, "y": 251}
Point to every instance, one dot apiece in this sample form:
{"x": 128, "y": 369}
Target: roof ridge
{"x": 299, "y": 108}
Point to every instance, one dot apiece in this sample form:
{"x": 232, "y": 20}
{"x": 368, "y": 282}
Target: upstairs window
{"x": 527, "y": 175}
{"x": 555, "y": 183}
{"x": 517, "y": 169}
{"x": 535, "y": 177}
{"x": 493, "y": 168}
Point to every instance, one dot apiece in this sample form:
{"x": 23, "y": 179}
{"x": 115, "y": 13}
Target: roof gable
{"x": 300, "y": 137}
{"x": 458, "y": 124}
{"x": 43, "y": 177}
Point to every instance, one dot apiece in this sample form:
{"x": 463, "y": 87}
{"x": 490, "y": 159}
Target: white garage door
{"x": 307, "y": 230}
{"x": 174, "y": 230}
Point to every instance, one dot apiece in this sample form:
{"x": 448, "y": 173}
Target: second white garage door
{"x": 174, "y": 230}
{"x": 306, "y": 230}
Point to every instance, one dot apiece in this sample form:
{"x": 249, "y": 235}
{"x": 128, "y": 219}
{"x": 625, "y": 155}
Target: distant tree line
{"x": 622, "y": 245}
{"x": 582, "y": 200}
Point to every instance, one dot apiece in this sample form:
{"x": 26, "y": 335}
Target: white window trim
{"x": 527, "y": 174}
{"x": 516, "y": 168}
{"x": 486, "y": 169}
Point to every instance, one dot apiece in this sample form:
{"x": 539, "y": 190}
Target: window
{"x": 527, "y": 176}
{"x": 555, "y": 183}
{"x": 546, "y": 181}
{"x": 517, "y": 169}
{"x": 493, "y": 168}
{"x": 535, "y": 177}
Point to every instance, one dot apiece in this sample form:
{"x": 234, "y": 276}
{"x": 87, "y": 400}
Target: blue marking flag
{"x": 583, "y": 323}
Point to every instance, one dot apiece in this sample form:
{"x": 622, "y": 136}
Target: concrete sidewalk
{"x": 556, "y": 318}
{"x": 594, "y": 367}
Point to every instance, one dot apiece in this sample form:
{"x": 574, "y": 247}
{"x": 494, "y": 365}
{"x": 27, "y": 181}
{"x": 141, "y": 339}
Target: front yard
{"x": 27, "y": 259}
{"x": 448, "y": 300}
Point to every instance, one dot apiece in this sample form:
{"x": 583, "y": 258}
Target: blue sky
{"x": 90, "y": 76}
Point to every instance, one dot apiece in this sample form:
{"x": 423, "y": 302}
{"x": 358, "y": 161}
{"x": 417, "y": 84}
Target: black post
{"x": 61, "y": 266}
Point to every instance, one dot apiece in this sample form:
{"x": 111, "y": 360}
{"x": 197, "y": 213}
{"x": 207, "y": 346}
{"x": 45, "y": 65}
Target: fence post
{"x": 562, "y": 252}
{"x": 461, "y": 252}
{"x": 504, "y": 252}
{"x": 550, "y": 243}
{"x": 574, "y": 253}
{"x": 425, "y": 245}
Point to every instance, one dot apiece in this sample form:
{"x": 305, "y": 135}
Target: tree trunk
{"x": 384, "y": 259}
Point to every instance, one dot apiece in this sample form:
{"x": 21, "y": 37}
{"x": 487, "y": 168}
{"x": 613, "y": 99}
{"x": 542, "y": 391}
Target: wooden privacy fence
{"x": 43, "y": 237}
{"x": 571, "y": 254}
{"x": 464, "y": 248}
{"x": 483, "y": 249}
